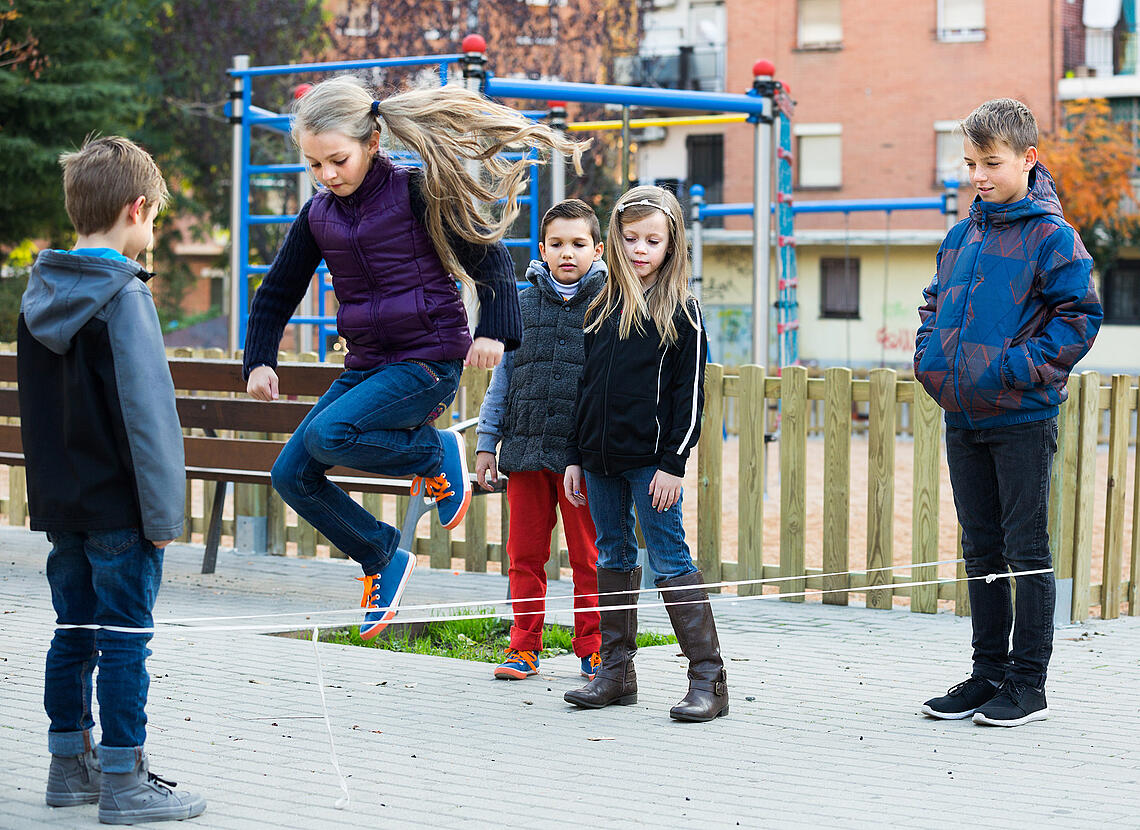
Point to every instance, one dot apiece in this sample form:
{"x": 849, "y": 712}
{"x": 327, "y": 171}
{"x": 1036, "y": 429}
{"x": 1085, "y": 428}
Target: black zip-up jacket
{"x": 639, "y": 403}
{"x": 102, "y": 441}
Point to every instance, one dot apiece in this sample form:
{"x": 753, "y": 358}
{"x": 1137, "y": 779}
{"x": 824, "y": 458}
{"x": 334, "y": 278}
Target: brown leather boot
{"x": 692, "y": 619}
{"x": 616, "y": 681}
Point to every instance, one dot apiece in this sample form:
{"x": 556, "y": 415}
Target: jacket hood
{"x": 1040, "y": 201}
{"x": 66, "y": 290}
{"x": 538, "y": 273}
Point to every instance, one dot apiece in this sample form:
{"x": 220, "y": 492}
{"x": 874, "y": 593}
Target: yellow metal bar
{"x": 682, "y": 121}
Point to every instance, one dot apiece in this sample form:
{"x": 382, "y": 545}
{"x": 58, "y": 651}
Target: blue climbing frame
{"x": 245, "y": 116}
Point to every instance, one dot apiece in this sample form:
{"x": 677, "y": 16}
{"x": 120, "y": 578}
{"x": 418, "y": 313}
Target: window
{"x": 819, "y": 156}
{"x": 948, "y": 163}
{"x": 839, "y": 287}
{"x": 819, "y": 25}
{"x": 1122, "y": 293}
{"x": 706, "y": 168}
{"x": 961, "y": 20}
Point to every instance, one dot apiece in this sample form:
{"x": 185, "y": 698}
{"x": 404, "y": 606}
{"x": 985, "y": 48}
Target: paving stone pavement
{"x": 825, "y": 729}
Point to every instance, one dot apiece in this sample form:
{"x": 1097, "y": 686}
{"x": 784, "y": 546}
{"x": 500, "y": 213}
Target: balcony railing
{"x": 690, "y": 67}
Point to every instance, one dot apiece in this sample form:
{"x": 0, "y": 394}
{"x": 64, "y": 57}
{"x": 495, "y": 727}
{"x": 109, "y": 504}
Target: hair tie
{"x": 376, "y": 108}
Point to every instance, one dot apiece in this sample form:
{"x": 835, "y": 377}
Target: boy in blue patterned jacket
{"x": 1011, "y": 310}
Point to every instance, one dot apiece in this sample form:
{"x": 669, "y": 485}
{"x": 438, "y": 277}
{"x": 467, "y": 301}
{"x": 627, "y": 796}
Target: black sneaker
{"x": 1014, "y": 704}
{"x": 962, "y": 700}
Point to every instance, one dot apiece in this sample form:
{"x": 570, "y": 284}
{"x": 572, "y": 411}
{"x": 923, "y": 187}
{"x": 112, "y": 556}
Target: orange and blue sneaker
{"x": 450, "y": 487}
{"x": 590, "y": 665}
{"x": 382, "y": 593}
{"x": 517, "y": 665}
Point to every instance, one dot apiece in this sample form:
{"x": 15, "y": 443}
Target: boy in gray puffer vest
{"x": 529, "y": 407}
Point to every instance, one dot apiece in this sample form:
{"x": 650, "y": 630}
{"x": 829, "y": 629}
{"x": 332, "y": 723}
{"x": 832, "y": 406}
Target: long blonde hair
{"x": 446, "y": 126}
{"x": 623, "y": 292}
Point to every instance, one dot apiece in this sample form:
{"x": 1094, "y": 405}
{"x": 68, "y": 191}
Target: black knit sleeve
{"x": 280, "y": 293}
{"x": 492, "y": 269}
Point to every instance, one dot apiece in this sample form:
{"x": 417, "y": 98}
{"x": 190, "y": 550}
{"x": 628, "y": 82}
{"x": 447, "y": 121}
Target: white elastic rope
{"x": 550, "y": 612}
{"x": 472, "y": 602}
{"x": 343, "y": 801}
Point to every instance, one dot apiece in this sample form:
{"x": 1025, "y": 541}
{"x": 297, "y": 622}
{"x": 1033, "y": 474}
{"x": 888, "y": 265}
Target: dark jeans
{"x": 612, "y": 500}
{"x": 1000, "y": 478}
{"x": 377, "y": 421}
{"x": 108, "y": 578}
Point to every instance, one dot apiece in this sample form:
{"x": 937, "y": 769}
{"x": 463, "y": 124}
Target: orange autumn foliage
{"x": 1092, "y": 160}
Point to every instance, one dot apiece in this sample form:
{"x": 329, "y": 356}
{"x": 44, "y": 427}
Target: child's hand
{"x": 161, "y": 545}
{"x": 262, "y": 384}
{"x": 572, "y": 484}
{"x": 665, "y": 490}
{"x": 484, "y": 464}
{"x": 485, "y": 353}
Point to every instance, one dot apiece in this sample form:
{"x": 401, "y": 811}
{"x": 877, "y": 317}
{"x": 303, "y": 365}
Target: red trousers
{"x": 532, "y": 497}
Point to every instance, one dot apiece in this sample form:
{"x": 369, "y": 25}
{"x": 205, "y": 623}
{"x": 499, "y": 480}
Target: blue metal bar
{"x": 341, "y": 66}
{"x": 830, "y": 206}
{"x": 270, "y": 219}
{"x": 625, "y": 95}
{"x": 243, "y": 238}
{"x": 267, "y": 169}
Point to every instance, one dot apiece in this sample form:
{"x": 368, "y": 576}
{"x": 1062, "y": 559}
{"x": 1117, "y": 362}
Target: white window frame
{"x": 951, "y": 30}
{"x": 820, "y": 131}
{"x": 828, "y": 34}
{"x": 943, "y": 130}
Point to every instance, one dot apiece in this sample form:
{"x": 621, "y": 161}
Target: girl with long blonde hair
{"x": 396, "y": 241}
{"x": 637, "y": 416}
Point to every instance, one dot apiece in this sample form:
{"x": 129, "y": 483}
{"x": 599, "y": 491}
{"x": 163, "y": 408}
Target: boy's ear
{"x": 598, "y": 249}
{"x": 1030, "y": 158}
{"x": 541, "y": 251}
{"x": 136, "y": 210}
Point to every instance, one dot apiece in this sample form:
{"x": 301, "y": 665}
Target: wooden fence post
{"x": 837, "y": 485}
{"x": 475, "y": 525}
{"x": 793, "y": 478}
{"x": 1119, "y": 421}
{"x": 881, "y": 486}
{"x": 710, "y": 454}
{"x": 1134, "y": 573}
{"x": 1086, "y": 484}
{"x": 750, "y": 515}
{"x": 926, "y": 424}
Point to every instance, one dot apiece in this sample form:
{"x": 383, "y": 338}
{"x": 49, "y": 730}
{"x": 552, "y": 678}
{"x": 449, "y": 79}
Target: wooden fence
{"x": 798, "y": 405}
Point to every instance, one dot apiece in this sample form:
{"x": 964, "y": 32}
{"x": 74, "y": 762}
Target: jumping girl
{"x": 396, "y": 241}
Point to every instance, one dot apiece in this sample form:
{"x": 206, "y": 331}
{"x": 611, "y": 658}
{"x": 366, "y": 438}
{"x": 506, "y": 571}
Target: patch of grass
{"x": 482, "y": 640}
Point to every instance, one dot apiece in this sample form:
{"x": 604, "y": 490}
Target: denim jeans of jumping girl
{"x": 612, "y": 501}
{"x": 378, "y": 421}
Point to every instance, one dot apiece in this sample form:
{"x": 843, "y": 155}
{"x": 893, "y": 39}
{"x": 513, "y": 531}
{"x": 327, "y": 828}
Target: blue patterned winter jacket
{"x": 1011, "y": 310}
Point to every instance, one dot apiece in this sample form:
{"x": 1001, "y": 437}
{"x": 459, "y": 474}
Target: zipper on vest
{"x": 606, "y": 408}
{"x": 365, "y": 272}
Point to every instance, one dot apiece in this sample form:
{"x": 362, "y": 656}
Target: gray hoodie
{"x": 101, "y": 436}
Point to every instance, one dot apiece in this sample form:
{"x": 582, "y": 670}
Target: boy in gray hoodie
{"x": 106, "y": 477}
{"x": 529, "y": 406}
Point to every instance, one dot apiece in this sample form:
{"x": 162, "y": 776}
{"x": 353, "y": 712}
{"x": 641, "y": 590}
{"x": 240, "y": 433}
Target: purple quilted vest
{"x": 397, "y": 301}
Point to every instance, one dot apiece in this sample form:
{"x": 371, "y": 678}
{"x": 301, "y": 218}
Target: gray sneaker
{"x": 140, "y": 795}
{"x": 73, "y": 779}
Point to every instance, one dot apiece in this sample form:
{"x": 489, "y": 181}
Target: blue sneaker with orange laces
{"x": 382, "y": 593}
{"x": 590, "y": 665}
{"x": 517, "y": 665}
{"x": 450, "y": 487}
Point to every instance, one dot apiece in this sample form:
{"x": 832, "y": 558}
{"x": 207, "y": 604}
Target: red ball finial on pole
{"x": 764, "y": 68}
{"x": 474, "y": 43}
{"x": 301, "y": 90}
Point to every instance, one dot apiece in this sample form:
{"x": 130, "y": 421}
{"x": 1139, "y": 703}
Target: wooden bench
{"x": 228, "y": 460}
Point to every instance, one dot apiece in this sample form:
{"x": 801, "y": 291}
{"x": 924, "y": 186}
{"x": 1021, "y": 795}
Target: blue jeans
{"x": 1000, "y": 478}
{"x": 377, "y": 421}
{"x": 612, "y": 500}
{"x": 107, "y": 578}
